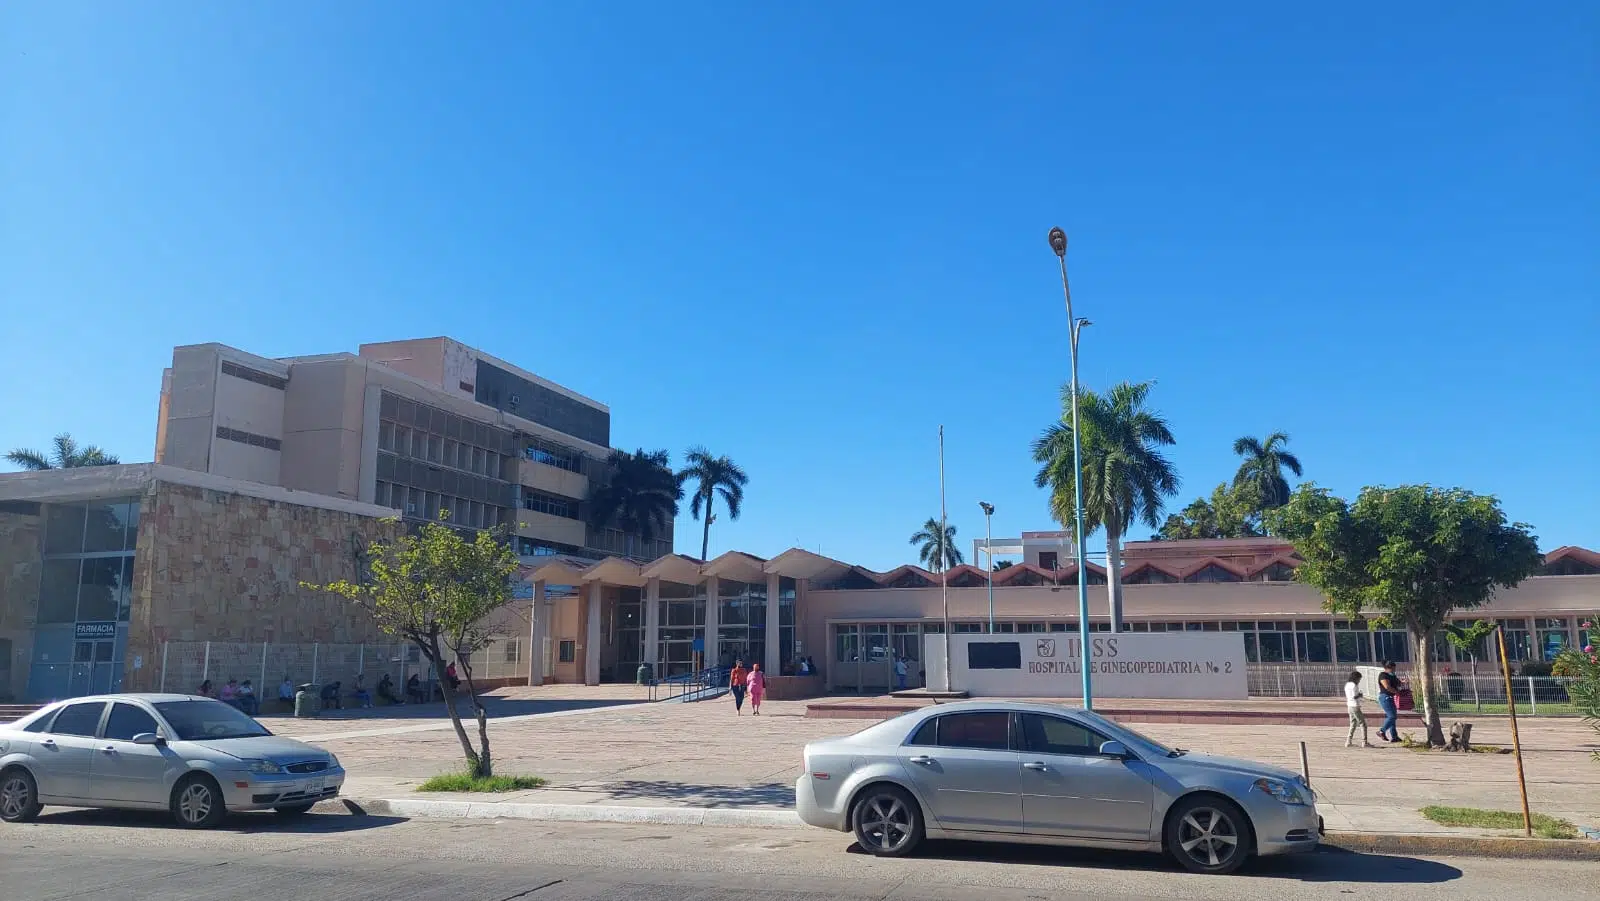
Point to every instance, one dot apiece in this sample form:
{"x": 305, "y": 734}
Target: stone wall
{"x": 223, "y": 567}
{"x": 20, "y": 532}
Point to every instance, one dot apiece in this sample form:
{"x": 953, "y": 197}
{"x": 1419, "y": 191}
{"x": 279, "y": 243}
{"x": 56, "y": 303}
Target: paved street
{"x": 110, "y": 856}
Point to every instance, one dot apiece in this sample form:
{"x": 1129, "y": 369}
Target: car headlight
{"x": 1283, "y": 791}
{"x": 264, "y": 767}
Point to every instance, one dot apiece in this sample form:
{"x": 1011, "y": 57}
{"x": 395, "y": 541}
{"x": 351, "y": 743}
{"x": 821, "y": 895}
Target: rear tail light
{"x": 822, "y": 776}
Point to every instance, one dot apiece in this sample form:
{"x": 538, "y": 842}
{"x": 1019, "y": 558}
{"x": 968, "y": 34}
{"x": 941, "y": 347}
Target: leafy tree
{"x": 1232, "y": 512}
{"x": 1582, "y": 666}
{"x": 1467, "y": 639}
{"x": 1263, "y": 466}
{"x": 65, "y": 454}
{"x": 640, "y": 495}
{"x": 937, "y": 547}
{"x": 714, "y": 476}
{"x": 1126, "y": 477}
{"x": 1002, "y": 564}
{"x": 1407, "y": 556}
{"x": 438, "y": 590}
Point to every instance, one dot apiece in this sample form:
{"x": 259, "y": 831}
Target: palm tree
{"x": 67, "y": 455}
{"x": 1125, "y": 476}
{"x": 936, "y": 554}
{"x": 1263, "y": 466}
{"x": 640, "y": 495}
{"x": 716, "y": 476}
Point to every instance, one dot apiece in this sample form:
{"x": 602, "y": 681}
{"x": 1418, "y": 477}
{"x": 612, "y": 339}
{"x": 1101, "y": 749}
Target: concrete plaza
{"x": 609, "y": 746}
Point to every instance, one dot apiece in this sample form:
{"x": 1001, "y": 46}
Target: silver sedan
{"x": 1040, "y": 773}
{"x": 196, "y": 757}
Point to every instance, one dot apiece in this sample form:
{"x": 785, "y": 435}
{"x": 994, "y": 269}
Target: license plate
{"x": 313, "y": 786}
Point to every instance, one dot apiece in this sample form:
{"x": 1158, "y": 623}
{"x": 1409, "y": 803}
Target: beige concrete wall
{"x": 19, "y": 598}
{"x": 233, "y": 460}
{"x": 552, "y": 479}
{"x": 567, "y": 617}
{"x": 420, "y": 358}
{"x": 533, "y": 524}
{"x": 189, "y": 408}
{"x": 323, "y": 427}
{"x": 217, "y": 566}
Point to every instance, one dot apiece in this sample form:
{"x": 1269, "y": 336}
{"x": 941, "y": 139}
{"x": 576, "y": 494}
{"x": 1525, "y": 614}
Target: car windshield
{"x": 203, "y": 719}
{"x": 1136, "y": 740}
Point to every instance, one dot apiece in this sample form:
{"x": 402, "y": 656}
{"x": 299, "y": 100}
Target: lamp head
{"x": 1058, "y": 241}
{"x": 988, "y": 508}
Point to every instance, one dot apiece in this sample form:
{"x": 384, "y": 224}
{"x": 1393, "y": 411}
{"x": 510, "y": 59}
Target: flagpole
{"x": 944, "y": 563}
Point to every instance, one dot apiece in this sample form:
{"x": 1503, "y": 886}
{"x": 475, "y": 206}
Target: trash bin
{"x": 642, "y": 677}
{"x": 307, "y": 703}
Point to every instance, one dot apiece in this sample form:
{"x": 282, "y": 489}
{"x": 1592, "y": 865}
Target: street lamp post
{"x": 1058, "y": 243}
{"x": 988, "y": 549}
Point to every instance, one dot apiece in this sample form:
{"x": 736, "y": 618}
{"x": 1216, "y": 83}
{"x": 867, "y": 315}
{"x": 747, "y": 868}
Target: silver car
{"x": 196, "y": 757}
{"x": 1045, "y": 774}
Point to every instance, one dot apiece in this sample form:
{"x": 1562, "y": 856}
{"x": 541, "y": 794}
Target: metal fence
{"x": 187, "y": 664}
{"x": 1456, "y": 691}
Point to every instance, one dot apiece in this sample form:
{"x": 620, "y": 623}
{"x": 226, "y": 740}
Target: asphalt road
{"x": 104, "y": 855}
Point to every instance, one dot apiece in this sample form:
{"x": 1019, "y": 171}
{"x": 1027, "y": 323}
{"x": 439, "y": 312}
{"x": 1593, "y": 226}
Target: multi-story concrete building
{"x": 419, "y": 426}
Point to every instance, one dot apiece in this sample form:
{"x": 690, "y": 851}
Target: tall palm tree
{"x": 1126, "y": 477}
{"x": 65, "y": 455}
{"x": 640, "y": 495}
{"x": 1263, "y": 466}
{"x": 937, "y": 547}
{"x": 716, "y": 476}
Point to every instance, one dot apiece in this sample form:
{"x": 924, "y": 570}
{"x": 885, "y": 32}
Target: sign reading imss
{"x": 1124, "y": 665}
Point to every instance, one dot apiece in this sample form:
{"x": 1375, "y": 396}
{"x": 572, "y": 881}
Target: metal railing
{"x": 688, "y": 687}
{"x": 185, "y": 665}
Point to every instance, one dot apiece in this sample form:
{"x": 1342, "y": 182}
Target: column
{"x": 591, "y": 640}
{"x": 652, "y": 625}
{"x": 713, "y": 614}
{"x": 774, "y": 662}
{"x": 538, "y": 626}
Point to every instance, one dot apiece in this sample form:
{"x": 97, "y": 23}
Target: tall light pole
{"x": 988, "y": 550}
{"x": 1058, "y": 243}
{"x": 944, "y": 567}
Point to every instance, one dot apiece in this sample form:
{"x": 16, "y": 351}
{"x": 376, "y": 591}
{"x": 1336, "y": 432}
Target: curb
{"x": 1463, "y": 845}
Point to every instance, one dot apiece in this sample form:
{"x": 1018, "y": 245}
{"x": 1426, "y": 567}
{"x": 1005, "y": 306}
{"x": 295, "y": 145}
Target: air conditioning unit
{"x": 516, "y": 399}
{"x": 411, "y": 508}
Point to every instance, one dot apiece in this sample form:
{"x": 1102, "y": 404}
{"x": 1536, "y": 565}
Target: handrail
{"x": 689, "y": 686}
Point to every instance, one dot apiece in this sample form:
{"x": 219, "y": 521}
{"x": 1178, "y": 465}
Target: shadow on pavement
{"x": 495, "y": 707}
{"x": 242, "y": 823}
{"x": 1325, "y": 865}
{"x": 770, "y": 794}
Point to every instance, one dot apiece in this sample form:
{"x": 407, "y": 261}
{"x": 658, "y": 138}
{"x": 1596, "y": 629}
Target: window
{"x": 1392, "y": 645}
{"x": 567, "y": 652}
{"x": 1212, "y": 573}
{"x": 1049, "y": 560}
{"x": 1053, "y": 735}
{"x": 926, "y": 734}
{"x": 203, "y": 719}
{"x": 386, "y": 436}
{"x": 126, "y": 721}
{"x": 980, "y": 731}
{"x": 1552, "y": 637}
{"x": 1515, "y": 632}
{"x": 250, "y": 438}
{"x": 548, "y": 503}
{"x": 513, "y": 651}
{"x": 79, "y": 719}
{"x": 966, "y": 628}
{"x": 1314, "y": 647}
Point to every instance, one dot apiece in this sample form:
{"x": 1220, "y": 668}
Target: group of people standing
{"x": 1389, "y": 689}
{"x": 750, "y": 681}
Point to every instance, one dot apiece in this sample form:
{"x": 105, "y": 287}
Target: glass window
{"x": 106, "y": 527}
{"x": 926, "y": 734}
{"x": 99, "y": 589}
{"x": 79, "y": 719}
{"x": 981, "y": 731}
{"x": 1552, "y": 637}
{"x": 126, "y": 721}
{"x": 967, "y": 628}
{"x": 63, "y": 531}
{"x": 1053, "y": 735}
{"x": 1275, "y": 647}
{"x": 1138, "y": 627}
{"x": 1314, "y": 647}
{"x": 386, "y": 435}
{"x": 1005, "y": 627}
{"x": 58, "y": 592}
{"x": 568, "y": 651}
{"x": 1518, "y": 644}
{"x": 1353, "y": 646}
{"x": 1391, "y": 645}
{"x": 203, "y": 719}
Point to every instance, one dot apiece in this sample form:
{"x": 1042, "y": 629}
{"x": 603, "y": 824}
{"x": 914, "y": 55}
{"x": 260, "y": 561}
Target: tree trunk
{"x": 705, "y": 535}
{"x": 474, "y": 764}
{"x": 1421, "y": 639}
{"x": 485, "y": 761}
{"x": 1113, "y": 577}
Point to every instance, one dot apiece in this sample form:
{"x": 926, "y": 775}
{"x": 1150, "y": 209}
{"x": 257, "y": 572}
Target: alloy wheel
{"x": 194, "y": 805}
{"x": 887, "y": 822}
{"x": 14, "y": 797}
{"x": 1209, "y": 836}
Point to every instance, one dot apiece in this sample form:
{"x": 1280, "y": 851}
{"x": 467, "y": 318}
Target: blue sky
{"x": 806, "y": 235}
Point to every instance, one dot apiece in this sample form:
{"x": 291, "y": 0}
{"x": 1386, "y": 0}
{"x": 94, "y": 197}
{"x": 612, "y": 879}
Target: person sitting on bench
{"x": 330, "y": 697}
{"x": 386, "y": 690}
{"x": 414, "y": 689}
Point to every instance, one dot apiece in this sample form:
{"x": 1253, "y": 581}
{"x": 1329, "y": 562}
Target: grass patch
{"x": 1543, "y": 826}
{"x": 465, "y": 782}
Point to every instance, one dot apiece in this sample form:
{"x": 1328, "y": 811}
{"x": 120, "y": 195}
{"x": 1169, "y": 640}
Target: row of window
{"x": 549, "y": 503}
{"x": 1277, "y": 572}
{"x": 419, "y": 445}
{"x": 419, "y": 504}
{"x": 250, "y": 438}
{"x": 552, "y": 454}
{"x": 252, "y": 375}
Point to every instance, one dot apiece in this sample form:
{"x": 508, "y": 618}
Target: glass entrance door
{"x": 877, "y": 658}
{"x": 92, "y": 667}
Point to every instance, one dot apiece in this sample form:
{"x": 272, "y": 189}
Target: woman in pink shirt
{"x": 756, "y": 682}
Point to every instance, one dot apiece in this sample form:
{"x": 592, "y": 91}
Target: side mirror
{"x": 1114, "y": 749}
{"x": 147, "y": 738}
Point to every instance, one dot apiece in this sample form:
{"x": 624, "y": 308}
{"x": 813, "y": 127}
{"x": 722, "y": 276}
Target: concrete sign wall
{"x": 1125, "y": 665}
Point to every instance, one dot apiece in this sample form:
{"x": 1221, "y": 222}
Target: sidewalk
{"x": 602, "y": 748}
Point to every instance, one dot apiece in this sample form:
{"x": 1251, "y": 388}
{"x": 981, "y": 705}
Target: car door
{"x": 65, "y": 749}
{"x": 965, "y": 769}
{"x": 1069, "y": 789}
{"x": 125, "y": 772}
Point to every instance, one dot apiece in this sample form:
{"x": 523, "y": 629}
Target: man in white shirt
{"x": 1352, "y": 703}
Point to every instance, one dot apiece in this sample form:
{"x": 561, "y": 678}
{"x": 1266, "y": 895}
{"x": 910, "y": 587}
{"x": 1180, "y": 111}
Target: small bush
{"x": 1543, "y": 826}
{"x": 466, "y": 782}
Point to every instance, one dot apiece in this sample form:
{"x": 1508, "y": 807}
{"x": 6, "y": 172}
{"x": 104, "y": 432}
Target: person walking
{"x": 736, "y": 686}
{"x": 900, "y": 673}
{"x": 1352, "y": 703}
{"x": 757, "y": 682}
{"x": 1389, "y": 701}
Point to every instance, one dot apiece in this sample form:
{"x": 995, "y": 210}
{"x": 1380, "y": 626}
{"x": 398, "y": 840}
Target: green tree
{"x": 937, "y": 547}
{"x": 1126, "y": 477}
{"x": 439, "y": 591}
{"x": 639, "y": 495}
{"x": 1002, "y": 564}
{"x": 1407, "y": 556}
{"x": 1232, "y": 512}
{"x": 65, "y": 454}
{"x": 1467, "y": 640}
{"x": 1263, "y": 466}
{"x": 714, "y": 477}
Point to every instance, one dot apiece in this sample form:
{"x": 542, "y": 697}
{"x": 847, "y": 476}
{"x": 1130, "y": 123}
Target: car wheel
{"x": 1208, "y": 834}
{"x": 887, "y": 821}
{"x": 197, "y": 802}
{"x": 293, "y": 810}
{"x": 19, "y": 796}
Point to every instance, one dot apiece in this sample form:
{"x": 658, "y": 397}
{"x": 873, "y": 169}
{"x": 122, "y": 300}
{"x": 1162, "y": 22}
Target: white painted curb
{"x": 569, "y": 813}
